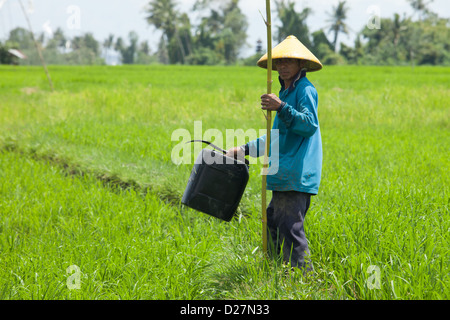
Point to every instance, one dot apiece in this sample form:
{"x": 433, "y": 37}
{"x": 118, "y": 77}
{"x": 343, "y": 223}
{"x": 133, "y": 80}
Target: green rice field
{"x": 90, "y": 197}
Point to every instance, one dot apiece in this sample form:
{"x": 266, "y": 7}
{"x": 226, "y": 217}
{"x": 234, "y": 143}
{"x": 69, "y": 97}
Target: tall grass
{"x": 87, "y": 180}
{"x": 126, "y": 244}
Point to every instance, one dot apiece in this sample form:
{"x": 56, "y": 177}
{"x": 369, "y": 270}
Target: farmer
{"x": 300, "y": 151}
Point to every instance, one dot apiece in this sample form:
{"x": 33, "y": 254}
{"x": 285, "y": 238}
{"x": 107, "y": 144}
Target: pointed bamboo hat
{"x": 291, "y": 47}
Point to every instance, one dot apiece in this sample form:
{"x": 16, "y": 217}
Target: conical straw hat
{"x": 291, "y": 47}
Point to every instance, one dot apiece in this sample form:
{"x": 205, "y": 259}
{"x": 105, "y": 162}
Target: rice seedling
{"x": 90, "y": 197}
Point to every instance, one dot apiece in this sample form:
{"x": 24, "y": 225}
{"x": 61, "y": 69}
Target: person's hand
{"x": 270, "y": 102}
{"x": 236, "y": 153}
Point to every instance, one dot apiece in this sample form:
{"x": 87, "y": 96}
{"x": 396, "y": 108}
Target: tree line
{"x": 220, "y": 34}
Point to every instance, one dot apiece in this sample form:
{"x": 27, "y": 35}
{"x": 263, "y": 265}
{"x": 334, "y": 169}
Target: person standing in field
{"x": 300, "y": 151}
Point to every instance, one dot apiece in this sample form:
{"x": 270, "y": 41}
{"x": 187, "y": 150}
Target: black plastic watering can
{"x": 216, "y": 183}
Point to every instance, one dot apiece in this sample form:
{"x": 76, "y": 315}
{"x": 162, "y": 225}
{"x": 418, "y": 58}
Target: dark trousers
{"x": 285, "y": 233}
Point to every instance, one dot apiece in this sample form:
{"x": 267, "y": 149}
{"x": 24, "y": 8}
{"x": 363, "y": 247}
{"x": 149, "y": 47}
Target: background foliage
{"x": 218, "y": 38}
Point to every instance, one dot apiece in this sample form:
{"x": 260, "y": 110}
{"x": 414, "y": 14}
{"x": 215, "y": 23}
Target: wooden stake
{"x": 37, "y": 46}
{"x": 268, "y": 128}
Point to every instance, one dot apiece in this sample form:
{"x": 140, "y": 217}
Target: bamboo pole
{"x": 268, "y": 128}
{"x": 37, "y": 47}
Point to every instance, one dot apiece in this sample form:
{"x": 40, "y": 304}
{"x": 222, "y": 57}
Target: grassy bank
{"x": 88, "y": 180}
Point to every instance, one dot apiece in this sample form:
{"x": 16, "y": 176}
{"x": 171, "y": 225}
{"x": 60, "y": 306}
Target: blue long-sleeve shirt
{"x": 298, "y": 140}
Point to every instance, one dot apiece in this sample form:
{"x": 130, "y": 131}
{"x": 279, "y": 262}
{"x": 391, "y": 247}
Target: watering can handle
{"x": 216, "y": 147}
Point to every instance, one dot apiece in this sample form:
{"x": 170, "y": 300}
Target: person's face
{"x": 287, "y": 68}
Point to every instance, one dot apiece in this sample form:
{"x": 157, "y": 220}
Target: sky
{"x": 119, "y": 17}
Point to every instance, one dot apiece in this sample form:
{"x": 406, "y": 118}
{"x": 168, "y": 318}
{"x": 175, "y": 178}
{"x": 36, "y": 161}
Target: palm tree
{"x": 293, "y": 22}
{"x": 398, "y": 28}
{"x": 119, "y": 45}
{"x": 420, "y": 7}
{"x": 107, "y": 44}
{"x": 337, "y": 21}
{"x": 163, "y": 15}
